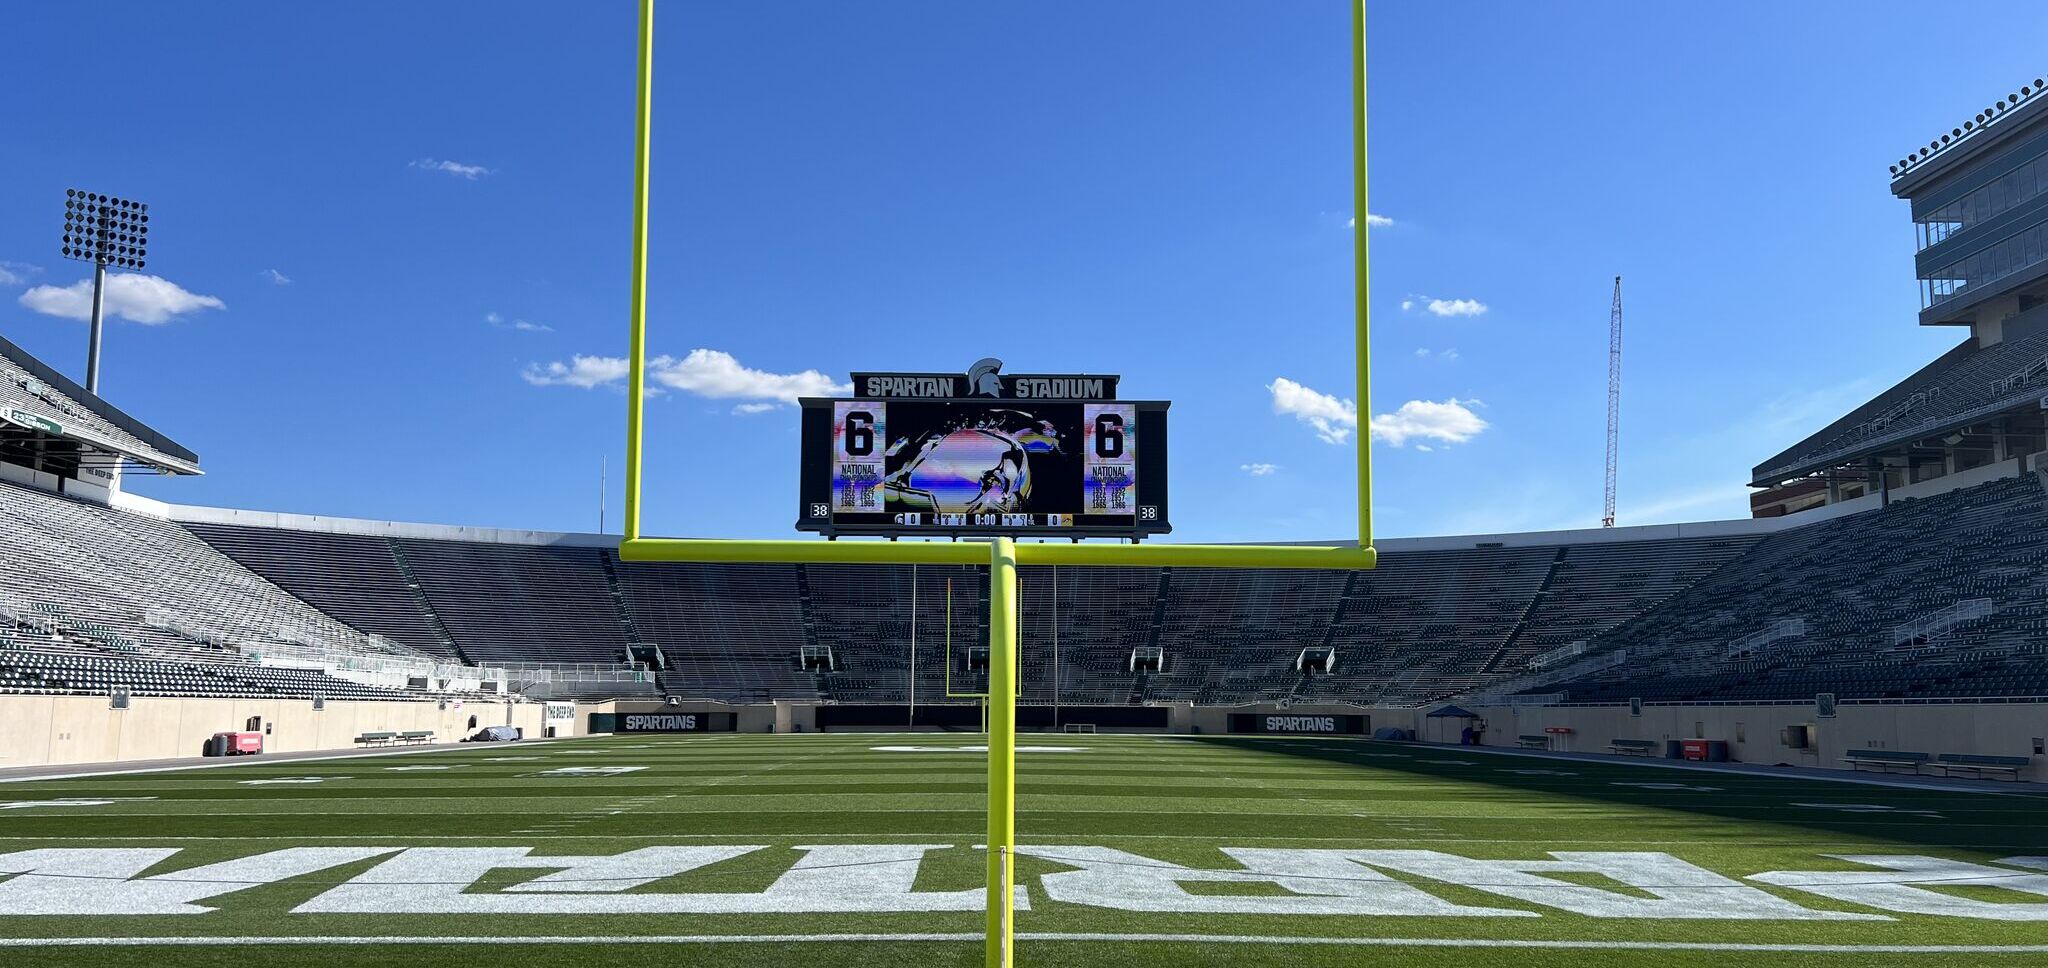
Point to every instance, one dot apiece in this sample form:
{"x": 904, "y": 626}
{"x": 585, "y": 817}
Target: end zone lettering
{"x": 837, "y": 878}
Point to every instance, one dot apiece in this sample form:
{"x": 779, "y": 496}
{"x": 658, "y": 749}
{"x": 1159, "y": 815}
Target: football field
{"x": 862, "y": 850}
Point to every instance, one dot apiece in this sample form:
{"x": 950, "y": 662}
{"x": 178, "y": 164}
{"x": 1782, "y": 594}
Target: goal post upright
{"x": 636, "y": 340}
{"x": 1361, "y": 275}
{"x": 1002, "y": 750}
{"x": 1003, "y": 555}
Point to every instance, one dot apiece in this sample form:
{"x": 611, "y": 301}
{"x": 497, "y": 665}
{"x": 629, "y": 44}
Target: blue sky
{"x": 382, "y": 225}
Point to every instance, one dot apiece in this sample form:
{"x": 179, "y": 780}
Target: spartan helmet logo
{"x": 984, "y": 379}
{"x": 978, "y": 461}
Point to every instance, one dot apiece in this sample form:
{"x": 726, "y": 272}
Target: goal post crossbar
{"x": 1002, "y": 555}
{"x": 729, "y": 551}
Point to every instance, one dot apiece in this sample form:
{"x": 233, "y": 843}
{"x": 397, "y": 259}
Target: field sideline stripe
{"x": 223, "y": 941}
{"x": 245, "y": 761}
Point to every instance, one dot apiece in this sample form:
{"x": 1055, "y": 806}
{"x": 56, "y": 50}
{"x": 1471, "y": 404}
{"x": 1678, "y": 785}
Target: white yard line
{"x": 1029, "y": 936}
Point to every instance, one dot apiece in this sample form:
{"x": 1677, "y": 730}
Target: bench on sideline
{"x": 1633, "y": 747}
{"x": 411, "y": 737}
{"x": 1885, "y": 761}
{"x": 1538, "y": 741}
{"x": 1980, "y": 764}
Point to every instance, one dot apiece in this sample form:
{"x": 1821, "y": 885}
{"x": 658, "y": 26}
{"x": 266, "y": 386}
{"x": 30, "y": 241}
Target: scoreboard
{"x": 902, "y": 462}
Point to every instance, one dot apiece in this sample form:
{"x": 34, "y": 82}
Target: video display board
{"x": 1018, "y": 466}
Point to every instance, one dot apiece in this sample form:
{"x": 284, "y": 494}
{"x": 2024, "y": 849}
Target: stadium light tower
{"x": 1613, "y": 401}
{"x": 105, "y": 231}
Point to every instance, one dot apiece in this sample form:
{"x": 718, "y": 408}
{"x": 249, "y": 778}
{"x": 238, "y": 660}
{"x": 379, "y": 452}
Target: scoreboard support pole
{"x": 1002, "y": 752}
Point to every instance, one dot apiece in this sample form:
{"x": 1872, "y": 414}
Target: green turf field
{"x": 422, "y": 859}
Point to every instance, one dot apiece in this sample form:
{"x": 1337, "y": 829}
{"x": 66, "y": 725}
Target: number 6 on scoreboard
{"x": 1109, "y": 436}
{"x": 859, "y": 433}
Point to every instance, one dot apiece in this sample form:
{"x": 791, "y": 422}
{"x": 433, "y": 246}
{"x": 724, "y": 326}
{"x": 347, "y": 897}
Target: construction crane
{"x": 1613, "y": 399}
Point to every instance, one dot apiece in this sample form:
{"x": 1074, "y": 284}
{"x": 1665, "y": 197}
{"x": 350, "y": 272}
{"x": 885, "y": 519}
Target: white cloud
{"x": 1455, "y": 307}
{"x": 1373, "y": 220}
{"x": 276, "y": 278}
{"x": 1449, "y": 421}
{"x": 518, "y": 324}
{"x": 716, "y": 374}
{"x": 1425, "y": 448}
{"x": 456, "y": 168}
{"x": 586, "y": 372}
{"x": 707, "y": 373}
{"x": 1333, "y": 419}
{"x": 1446, "y": 355}
{"x": 1443, "y": 307}
{"x": 16, "y": 273}
{"x": 149, "y": 300}
{"x": 1421, "y": 353}
{"x": 1259, "y": 470}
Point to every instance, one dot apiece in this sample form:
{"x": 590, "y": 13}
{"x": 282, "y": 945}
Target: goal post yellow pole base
{"x": 1002, "y": 751}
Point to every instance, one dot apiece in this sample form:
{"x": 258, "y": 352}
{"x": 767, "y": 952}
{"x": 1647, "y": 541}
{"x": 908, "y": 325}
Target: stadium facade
{"x": 1979, "y": 203}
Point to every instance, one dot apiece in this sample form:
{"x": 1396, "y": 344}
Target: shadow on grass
{"x": 1992, "y": 821}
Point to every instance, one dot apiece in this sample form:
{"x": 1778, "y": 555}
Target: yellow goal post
{"x": 1002, "y": 555}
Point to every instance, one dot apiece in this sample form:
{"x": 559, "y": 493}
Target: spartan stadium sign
{"x": 1257, "y": 723}
{"x": 874, "y": 878}
{"x": 985, "y": 379}
{"x": 984, "y": 453}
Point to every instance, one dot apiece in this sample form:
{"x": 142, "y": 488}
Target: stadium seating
{"x": 1854, "y": 581}
{"x": 1970, "y": 378}
{"x": 519, "y": 602}
{"x": 1425, "y": 624}
{"x": 355, "y": 578}
{"x": 1869, "y": 591}
{"x": 94, "y": 598}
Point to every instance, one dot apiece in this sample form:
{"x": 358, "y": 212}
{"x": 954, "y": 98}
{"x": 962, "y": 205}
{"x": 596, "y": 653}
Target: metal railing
{"x": 1568, "y": 650}
{"x": 1923, "y": 633}
{"x": 1784, "y": 628}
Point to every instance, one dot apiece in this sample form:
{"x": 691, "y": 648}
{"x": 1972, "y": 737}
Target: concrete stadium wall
{"x": 1753, "y": 732}
{"x": 52, "y": 730}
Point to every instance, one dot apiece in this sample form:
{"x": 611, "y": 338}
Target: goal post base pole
{"x": 1002, "y": 750}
